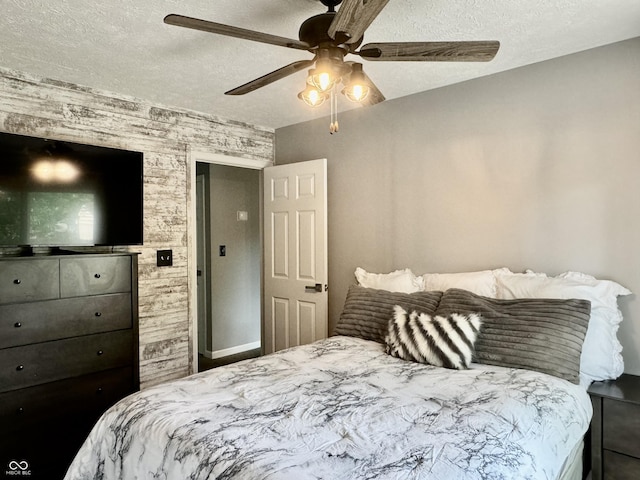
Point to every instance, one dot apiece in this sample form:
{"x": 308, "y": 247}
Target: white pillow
{"x": 601, "y": 357}
{"x": 481, "y": 283}
{"x": 398, "y": 281}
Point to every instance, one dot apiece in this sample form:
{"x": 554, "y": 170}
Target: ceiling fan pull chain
{"x": 333, "y": 126}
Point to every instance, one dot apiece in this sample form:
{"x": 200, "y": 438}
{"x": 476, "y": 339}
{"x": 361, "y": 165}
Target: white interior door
{"x": 295, "y": 241}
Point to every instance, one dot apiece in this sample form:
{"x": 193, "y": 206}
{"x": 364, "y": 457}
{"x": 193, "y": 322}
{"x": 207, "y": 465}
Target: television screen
{"x": 63, "y": 194}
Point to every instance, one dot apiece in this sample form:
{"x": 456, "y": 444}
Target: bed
{"x": 344, "y": 408}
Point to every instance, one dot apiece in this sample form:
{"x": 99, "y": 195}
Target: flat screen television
{"x": 64, "y": 194}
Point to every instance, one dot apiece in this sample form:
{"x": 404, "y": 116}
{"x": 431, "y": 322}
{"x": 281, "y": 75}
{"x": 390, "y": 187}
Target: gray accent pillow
{"x": 540, "y": 334}
{"x": 367, "y": 311}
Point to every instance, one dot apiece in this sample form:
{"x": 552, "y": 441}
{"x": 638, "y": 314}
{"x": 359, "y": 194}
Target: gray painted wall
{"x": 235, "y": 278}
{"x": 533, "y": 168}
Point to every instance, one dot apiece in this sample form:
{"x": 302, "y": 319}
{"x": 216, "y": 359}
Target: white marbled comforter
{"x": 340, "y": 408}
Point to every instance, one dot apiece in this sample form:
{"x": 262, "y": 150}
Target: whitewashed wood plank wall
{"x": 52, "y": 109}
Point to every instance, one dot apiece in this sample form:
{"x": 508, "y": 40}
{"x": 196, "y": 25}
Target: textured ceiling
{"x": 123, "y": 46}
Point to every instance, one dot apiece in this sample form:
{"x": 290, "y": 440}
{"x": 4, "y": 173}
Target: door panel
{"x": 280, "y": 242}
{"x": 295, "y": 254}
{"x": 306, "y": 230}
{"x": 280, "y": 323}
{"x": 306, "y": 322}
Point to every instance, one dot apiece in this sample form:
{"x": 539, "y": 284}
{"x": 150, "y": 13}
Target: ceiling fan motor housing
{"x": 315, "y": 30}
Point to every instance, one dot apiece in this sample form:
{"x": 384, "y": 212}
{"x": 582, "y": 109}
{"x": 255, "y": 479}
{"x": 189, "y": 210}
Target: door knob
{"x": 313, "y": 288}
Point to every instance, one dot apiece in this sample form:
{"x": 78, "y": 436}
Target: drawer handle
{"x": 97, "y": 275}
{"x": 17, "y": 281}
{"x": 17, "y": 324}
{"x": 20, "y": 410}
{"x": 99, "y": 390}
{"x": 100, "y": 352}
{"x": 98, "y": 314}
{"x": 19, "y": 368}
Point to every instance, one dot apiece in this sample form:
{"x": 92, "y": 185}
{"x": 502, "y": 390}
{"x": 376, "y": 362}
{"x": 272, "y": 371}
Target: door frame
{"x": 202, "y": 271}
{"x": 194, "y": 156}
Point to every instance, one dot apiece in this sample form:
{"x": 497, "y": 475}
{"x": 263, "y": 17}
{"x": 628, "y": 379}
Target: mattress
{"x": 340, "y": 408}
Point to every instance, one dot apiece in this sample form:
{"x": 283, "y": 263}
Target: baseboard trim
{"x": 231, "y": 351}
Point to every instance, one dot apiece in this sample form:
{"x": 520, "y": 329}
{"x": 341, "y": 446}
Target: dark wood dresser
{"x": 68, "y": 350}
{"x": 615, "y": 428}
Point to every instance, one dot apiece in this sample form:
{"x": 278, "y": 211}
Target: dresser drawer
{"x": 88, "y": 395}
{"x": 47, "y": 424}
{"x": 46, "y": 362}
{"x": 90, "y": 275}
{"x": 22, "y": 324}
{"x": 620, "y": 467}
{"x": 28, "y": 280}
{"x": 621, "y": 427}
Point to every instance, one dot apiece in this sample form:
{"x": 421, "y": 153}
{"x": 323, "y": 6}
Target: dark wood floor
{"x": 205, "y": 363}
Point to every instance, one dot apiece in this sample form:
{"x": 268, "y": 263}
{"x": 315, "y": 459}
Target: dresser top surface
{"x": 13, "y": 258}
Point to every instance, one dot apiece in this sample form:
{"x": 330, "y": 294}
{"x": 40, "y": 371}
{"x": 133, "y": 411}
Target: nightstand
{"x": 615, "y": 428}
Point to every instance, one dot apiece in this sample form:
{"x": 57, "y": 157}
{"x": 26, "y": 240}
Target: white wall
{"x": 534, "y": 168}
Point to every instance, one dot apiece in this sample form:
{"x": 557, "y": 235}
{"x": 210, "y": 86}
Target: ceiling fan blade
{"x": 482, "y": 51}
{"x": 271, "y": 77}
{"x": 353, "y": 18}
{"x": 229, "y": 31}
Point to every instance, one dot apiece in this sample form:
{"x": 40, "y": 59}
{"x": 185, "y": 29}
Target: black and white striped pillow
{"x": 443, "y": 341}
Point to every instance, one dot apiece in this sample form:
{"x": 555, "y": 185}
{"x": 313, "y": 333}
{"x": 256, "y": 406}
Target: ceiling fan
{"x": 333, "y": 35}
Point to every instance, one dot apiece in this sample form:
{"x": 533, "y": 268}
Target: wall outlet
{"x": 165, "y": 258}
{"x": 243, "y": 216}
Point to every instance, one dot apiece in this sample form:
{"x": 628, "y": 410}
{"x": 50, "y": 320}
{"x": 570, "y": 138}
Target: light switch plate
{"x": 165, "y": 258}
{"x": 243, "y": 216}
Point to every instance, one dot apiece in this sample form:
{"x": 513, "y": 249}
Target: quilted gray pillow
{"x": 544, "y": 335}
{"x": 441, "y": 341}
{"x": 367, "y": 311}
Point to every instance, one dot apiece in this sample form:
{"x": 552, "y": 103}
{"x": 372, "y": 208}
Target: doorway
{"x": 226, "y": 254}
{"x": 229, "y": 259}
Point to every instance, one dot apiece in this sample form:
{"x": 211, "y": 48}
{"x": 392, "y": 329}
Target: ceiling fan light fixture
{"x": 322, "y": 77}
{"x": 312, "y": 96}
{"x": 356, "y": 93}
{"x": 328, "y": 70}
{"x": 357, "y": 89}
